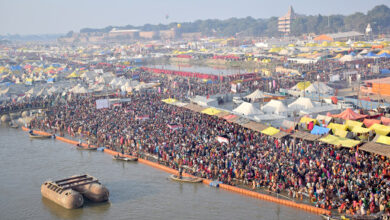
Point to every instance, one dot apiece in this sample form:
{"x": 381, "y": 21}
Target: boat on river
{"x": 85, "y": 148}
{"x": 185, "y": 179}
{"x": 37, "y": 136}
{"x": 128, "y": 159}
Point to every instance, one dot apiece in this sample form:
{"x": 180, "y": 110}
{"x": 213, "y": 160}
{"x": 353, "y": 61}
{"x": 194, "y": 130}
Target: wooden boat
{"x": 85, "y": 148}
{"x": 186, "y": 179}
{"x": 131, "y": 159}
{"x": 37, "y": 136}
{"x": 14, "y": 126}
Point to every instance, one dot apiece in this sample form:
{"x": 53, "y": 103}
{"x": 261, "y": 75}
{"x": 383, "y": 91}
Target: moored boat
{"x": 185, "y": 179}
{"x": 85, "y": 148}
{"x": 37, "y": 136}
{"x": 129, "y": 159}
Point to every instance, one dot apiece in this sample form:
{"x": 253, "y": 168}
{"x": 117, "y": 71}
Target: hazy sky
{"x": 61, "y": 16}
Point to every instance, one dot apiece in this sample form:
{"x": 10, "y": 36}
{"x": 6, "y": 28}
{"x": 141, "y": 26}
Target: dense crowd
{"x": 346, "y": 180}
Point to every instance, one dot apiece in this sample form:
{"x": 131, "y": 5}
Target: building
{"x": 147, "y": 34}
{"x": 132, "y": 34}
{"x": 341, "y": 36}
{"x": 284, "y": 22}
{"x": 168, "y": 34}
{"x": 191, "y": 36}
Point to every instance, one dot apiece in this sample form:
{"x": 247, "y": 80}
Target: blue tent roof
{"x": 371, "y": 54}
{"x": 318, "y": 130}
{"x": 384, "y": 55}
{"x": 352, "y": 53}
{"x": 385, "y": 71}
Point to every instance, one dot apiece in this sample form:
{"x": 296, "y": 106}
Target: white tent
{"x": 346, "y": 58}
{"x": 248, "y": 109}
{"x": 255, "y": 95}
{"x": 301, "y": 103}
{"x": 319, "y": 87}
{"x": 274, "y": 107}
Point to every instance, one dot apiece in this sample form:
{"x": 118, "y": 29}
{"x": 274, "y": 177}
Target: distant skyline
{"x": 60, "y": 16}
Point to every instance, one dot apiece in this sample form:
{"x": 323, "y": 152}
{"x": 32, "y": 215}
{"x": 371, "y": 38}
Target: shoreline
{"x": 226, "y": 187}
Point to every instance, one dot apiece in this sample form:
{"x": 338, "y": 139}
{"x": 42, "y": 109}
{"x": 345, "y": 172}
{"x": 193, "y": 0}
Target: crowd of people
{"x": 347, "y": 180}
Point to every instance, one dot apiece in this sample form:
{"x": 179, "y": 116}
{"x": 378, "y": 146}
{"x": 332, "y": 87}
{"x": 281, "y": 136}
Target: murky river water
{"x": 136, "y": 190}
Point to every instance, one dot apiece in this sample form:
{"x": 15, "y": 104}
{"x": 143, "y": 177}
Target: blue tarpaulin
{"x": 384, "y": 55}
{"x": 371, "y": 54}
{"x": 385, "y": 71}
{"x": 318, "y": 130}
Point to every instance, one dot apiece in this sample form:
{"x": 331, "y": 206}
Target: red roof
{"x": 369, "y": 122}
{"x": 348, "y": 114}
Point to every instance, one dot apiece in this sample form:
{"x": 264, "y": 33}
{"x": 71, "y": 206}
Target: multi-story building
{"x": 284, "y": 22}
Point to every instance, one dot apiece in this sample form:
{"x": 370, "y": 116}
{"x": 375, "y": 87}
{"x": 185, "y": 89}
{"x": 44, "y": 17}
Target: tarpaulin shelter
{"x": 383, "y": 140}
{"x": 339, "y": 141}
{"x": 274, "y": 106}
{"x": 335, "y": 126}
{"x": 380, "y": 129}
{"x": 307, "y": 120}
{"x": 349, "y": 114}
{"x": 369, "y": 122}
{"x": 257, "y": 94}
{"x": 318, "y": 130}
{"x": 169, "y": 101}
{"x": 211, "y": 111}
{"x": 385, "y": 121}
{"x": 270, "y": 131}
{"x": 351, "y": 124}
{"x": 248, "y": 109}
{"x": 384, "y": 55}
{"x": 301, "y": 85}
{"x": 340, "y": 133}
{"x": 301, "y": 103}
{"x": 323, "y": 120}
{"x": 376, "y": 148}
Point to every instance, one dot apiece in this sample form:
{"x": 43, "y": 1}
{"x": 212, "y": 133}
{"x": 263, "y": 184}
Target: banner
{"x": 143, "y": 117}
{"x": 102, "y": 103}
{"x": 174, "y": 127}
{"x": 221, "y": 139}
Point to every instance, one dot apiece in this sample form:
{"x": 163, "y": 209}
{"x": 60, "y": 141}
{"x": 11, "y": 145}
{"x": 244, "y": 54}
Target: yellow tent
{"x": 169, "y": 101}
{"x": 383, "y": 140}
{"x": 307, "y": 120}
{"x": 303, "y": 85}
{"x": 335, "y": 126}
{"x": 360, "y": 130}
{"x": 337, "y": 141}
{"x": 380, "y": 129}
{"x": 340, "y": 133}
{"x": 351, "y": 124}
{"x": 211, "y": 111}
{"x": 270, "y": 131}
{"x": 73, "y": 75}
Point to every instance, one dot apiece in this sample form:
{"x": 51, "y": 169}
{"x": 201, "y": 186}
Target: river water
{"x": 137, "y": 191}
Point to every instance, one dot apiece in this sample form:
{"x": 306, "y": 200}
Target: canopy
{"x": 169, "y": 101}
{"x": 274, "y": 106}
{"x": 270, "y": 131}
{"x": 319, "y": 87}
{"x": 323, "y": 119}
{"x": 380, "y": 129}
{"x": 369, "y": 122}
{"x": 301, "y": 85}
{"x": 301, "y": 103}
{"x": 383, "y": 140}
{"x": 351, "y": 124}
{"x": 360, "y": 130}
{"x": 318, "y": 130}
{"x": 385, "y": 121}
{"x": 307, "y": 120}
{"x": 340, "y": 133}
{"x": 247, "y": 108}
{"x": 335, "y": 126}
{"x": 257, "y": 94}
{"x": 337, "y": 141}
{"x": 349, "y": 114}
{"x": 211, "y": 111}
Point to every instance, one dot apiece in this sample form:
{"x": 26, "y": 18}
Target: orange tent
{"x": 323, "y": 37}
{"x": 369, "y": 122}
{"x": 348, "y": 114}
{"x": 385, "y": 121}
